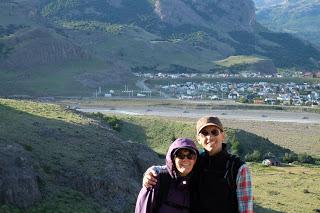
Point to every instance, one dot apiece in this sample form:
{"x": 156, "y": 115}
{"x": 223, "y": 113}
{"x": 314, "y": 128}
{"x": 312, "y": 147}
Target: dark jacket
{"x": 177, "y": 198}
{"x": 215, "y": 186}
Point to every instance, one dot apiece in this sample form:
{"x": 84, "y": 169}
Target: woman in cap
{"x": 171, "y": 193}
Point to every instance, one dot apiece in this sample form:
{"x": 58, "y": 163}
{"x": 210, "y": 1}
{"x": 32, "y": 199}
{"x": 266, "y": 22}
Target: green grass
{"x": 286, "y": 189}
{"x": 157, "y": 133}
{"x": 238, "y": 60}
{"x": 57, "y": 80}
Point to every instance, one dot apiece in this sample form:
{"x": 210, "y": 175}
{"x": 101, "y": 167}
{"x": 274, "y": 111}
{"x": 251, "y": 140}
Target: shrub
{"x": 290, "y": 157}
{"x": 235, "y": 146}
{"x": 113, "y": 121}
{"x": 254, "y": 156}
{"x": 305, "y": 158}
{"x": 27, "y": 147}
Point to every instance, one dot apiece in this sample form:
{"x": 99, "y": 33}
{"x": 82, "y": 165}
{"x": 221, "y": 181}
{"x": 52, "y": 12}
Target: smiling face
{"x": 211, "y": 138}
{"x": 184, "y": 161}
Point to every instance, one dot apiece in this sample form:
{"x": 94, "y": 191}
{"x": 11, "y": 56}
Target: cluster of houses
{"x": 242, "y": 74}
{"x": 258, "y": 93}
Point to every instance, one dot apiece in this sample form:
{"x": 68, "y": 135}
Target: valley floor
{"x": 298, "y": 131}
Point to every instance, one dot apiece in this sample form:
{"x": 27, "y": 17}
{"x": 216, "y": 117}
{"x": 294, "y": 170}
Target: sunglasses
{"x": 190, "y": 156}
{"x": 214, "y": 132}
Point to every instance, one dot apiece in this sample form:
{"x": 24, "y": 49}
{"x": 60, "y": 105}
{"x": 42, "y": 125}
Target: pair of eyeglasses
{"x": 214, "y": 132}
{"x": 190, "y": 156}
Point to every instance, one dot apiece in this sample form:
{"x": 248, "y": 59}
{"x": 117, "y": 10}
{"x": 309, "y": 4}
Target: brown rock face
{"x": 117, "y": 185}
{"x": 18, "y": 181}
{"x": 228, "y": 15}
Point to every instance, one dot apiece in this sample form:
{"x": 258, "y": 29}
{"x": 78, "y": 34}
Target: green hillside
{"x": 159, "y": 132}
{"x": 73, "y": 47}
{"x": 77, "y": 163}
{"x": 71, "y": 157}
{"x": 187, "y": 46}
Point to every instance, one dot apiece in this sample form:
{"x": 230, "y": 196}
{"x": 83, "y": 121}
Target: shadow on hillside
{"x": 132, "y": 132}
{"x": 135, "y": 133}
{"x": 259, "y": 209}
{"x": 251, "y": 142}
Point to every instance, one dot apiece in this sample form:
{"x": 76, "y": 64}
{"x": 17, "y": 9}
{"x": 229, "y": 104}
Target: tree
{"x": 236, "y": 147}
{"x": 254, "y": 156}
{"x": 305, "y": 158}
{"x": 290, "y": 157}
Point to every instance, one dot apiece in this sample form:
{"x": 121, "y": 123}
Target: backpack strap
{"x": 164, "y": 184}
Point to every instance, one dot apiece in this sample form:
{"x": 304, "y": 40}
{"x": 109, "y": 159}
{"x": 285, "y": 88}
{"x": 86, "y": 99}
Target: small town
{"x": 260, "y": 92}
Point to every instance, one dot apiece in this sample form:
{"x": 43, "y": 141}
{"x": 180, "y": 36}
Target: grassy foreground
{"x": 294, "y": 188}
{"x": 286, "y": 189}
{"x": 276, "y": 189}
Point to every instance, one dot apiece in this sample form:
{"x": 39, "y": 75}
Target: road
{"x": 141, "y": 84}
{"x": 239, "y": 114}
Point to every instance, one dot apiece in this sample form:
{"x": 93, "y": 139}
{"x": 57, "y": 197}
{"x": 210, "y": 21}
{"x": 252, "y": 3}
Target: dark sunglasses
{"x": 190, "y": 156}
{"x": 214, "y": 132}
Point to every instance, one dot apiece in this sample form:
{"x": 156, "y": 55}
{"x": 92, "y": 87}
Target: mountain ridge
{"x": 299, "y": 17}
{"x": 117, "y": 37}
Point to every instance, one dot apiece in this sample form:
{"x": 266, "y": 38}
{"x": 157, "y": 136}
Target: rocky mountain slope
{"x": 89, "y": 44}
{"x": 55, "y": 160}
{"x": 299, "y": 17}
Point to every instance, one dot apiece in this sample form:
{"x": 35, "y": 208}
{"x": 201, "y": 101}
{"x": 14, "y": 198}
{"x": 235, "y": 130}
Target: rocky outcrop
{"x": 42, "y": 158}
{"x": 18, "y": 180}
{"x": 228, "y": 15}
{"x": 117, "y": 186}
{"x": 114, "y": 187}
{"x": 177, "y": 12}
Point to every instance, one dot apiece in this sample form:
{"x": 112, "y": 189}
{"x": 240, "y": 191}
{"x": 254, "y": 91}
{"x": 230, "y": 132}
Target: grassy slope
{"x": 49, "y": 80}
{"x": 238, "y": 60}
{"x": 297, "y": 137}
{"x": 159, "y": 132}
{"x": 286, "y": 189}
{"x": 136, "y": 47}
{"x": 60, "y": 141}
{"x": 54, "y": 79}
{"x": 43, "y": 129}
